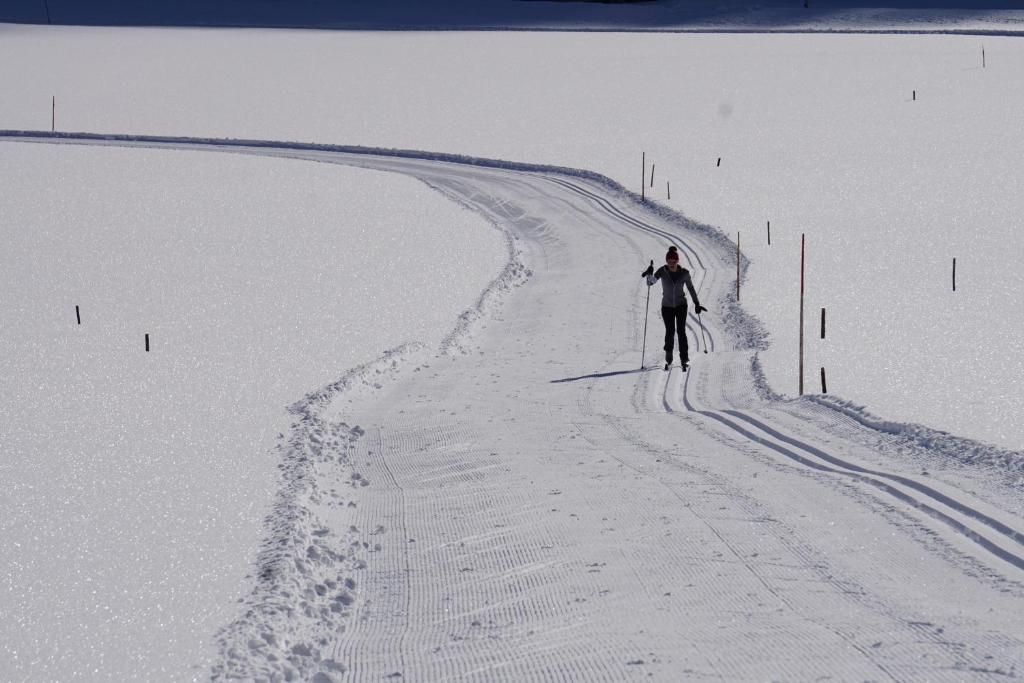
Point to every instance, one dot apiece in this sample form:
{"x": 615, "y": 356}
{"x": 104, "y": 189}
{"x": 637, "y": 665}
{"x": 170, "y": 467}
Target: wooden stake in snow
{"x": 823, "y": 389}
{"x": 914, "y": 96}
{"x": 643, "y": 172}
{"x": 801, "y": 314}
{"x": 147, "y": 342}
{"x": 954, "y": 274}
{"x": 78, "y": 315}
{"x": 769, "y": 233}
{"x": 823, "y": 323}
{"x": 668, "y": 189}
{"x": 652, "y": 175}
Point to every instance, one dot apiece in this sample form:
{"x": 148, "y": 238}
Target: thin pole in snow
{"x": 668, "y": 189}
{"x": 982, "y": 56}
{"x": 147, "y": 342}
{"x": 719, "y": 162}
{"x": 823, "y": 389}
{"x": 954, "y": 274}
{"x": 769, "y": 233}
{"x": 914, "y": 96}
{"x": 53, "y": 113}
{"x": 643, "y": 354}
{"x": 78, "y": 315}
{"x": 643, "y": 172}
{"x": 703, "y": 339}
{"x": 801, "y": 314}
{"x": 822, "y": 323}
{"x": 652, "y": 175}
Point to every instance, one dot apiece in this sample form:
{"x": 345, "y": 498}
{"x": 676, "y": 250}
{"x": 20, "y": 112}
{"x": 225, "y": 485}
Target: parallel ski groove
{"x": 688, "y": 250}
{"x": 857, "y": 594}
{"x": 611, "y": 208}
{"x": 949, "y": 501}
{"x": 1017, "y": 560}
{"x": 759, "y": 578}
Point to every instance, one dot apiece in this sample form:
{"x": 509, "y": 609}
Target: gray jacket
{"x": 674, "y": 286}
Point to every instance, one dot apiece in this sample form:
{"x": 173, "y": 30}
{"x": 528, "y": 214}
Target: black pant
{"x": 675, "y": 325}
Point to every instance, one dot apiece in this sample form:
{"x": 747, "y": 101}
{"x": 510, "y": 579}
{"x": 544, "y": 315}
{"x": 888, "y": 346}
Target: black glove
{"x": 701, "y": 309}
{"x": 649, "y": 271}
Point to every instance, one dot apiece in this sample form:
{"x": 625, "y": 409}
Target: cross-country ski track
{"x": 526, "y": 504}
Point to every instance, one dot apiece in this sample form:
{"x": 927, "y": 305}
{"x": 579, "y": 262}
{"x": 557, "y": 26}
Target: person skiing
{"x": 674, "y": 281}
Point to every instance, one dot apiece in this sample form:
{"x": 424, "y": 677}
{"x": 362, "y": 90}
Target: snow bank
{"x": 304, "y": 587}
{"x": 936, "y": 442}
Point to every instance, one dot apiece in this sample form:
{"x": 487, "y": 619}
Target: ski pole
{"x": 647, "y": 309}
{"x": 701, "y": 325}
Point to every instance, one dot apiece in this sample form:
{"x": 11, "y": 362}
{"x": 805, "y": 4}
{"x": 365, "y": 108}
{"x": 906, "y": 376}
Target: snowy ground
{"x": 134, "y": 484}
{"x": 798, "y": 540}
{"x": 528, "y": 505}
{"x": 817, "y": 134}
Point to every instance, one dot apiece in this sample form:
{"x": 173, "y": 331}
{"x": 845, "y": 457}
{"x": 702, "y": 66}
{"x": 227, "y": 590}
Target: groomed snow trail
{"x": 529, "y": 505}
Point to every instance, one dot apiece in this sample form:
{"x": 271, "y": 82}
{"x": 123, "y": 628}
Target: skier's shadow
{"x": 598, "y": 375}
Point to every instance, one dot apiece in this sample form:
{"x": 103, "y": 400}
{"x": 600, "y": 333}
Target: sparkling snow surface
{"x": 501, "y": 516}
{"x": 818, "y": 134}
{"x": 134, "y": 484}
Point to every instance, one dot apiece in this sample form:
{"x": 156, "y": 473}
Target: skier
{"x": 674, "y": 281}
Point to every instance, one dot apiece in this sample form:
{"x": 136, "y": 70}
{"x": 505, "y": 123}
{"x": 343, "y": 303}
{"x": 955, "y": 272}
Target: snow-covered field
{"x": 817, "y": 134}
{"x": 261, "y": 280}
{"x": 492, "y": 514}
{"x": 134, "y": 483}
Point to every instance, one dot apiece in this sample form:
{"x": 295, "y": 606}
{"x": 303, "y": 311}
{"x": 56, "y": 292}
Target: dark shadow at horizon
{"x": 586, "y": 15}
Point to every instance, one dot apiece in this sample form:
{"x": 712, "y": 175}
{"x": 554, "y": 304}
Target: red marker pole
{"x": 801, "y": 314}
